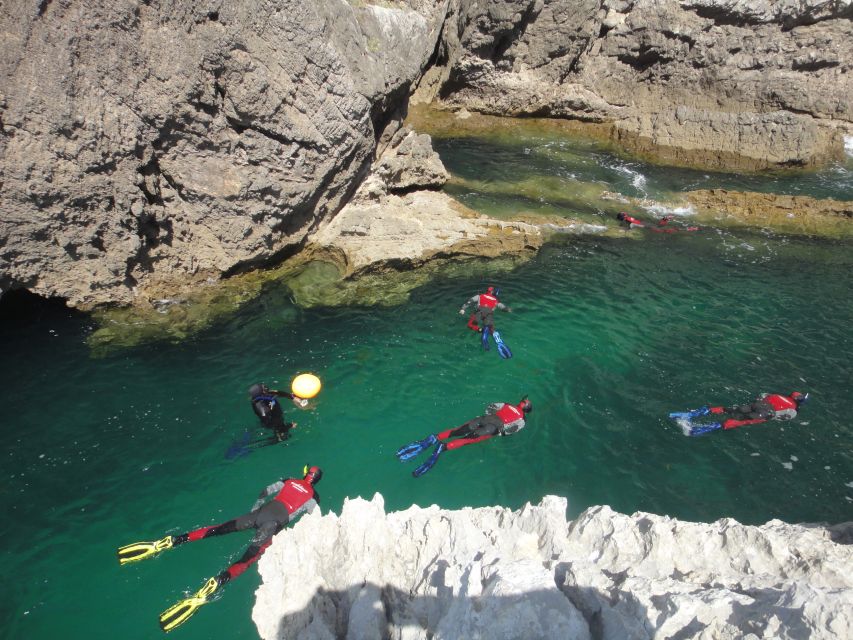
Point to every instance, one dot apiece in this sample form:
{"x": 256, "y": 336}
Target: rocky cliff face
{"x": 720, "y": 83}
{"x": 494, "y": 573}
{"x": 143, "y": 140}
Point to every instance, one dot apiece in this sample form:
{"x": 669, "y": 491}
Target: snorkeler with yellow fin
{"x": 290, "y": 499}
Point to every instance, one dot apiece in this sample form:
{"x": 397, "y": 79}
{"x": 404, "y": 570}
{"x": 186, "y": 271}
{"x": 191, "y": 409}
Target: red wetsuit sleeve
{"x": 732, "y": 424}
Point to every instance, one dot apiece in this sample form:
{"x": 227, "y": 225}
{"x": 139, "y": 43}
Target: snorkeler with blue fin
{"x": 501, "y": 419}
{"x": 766, "y": 407}
{"x": 483, "y": 319}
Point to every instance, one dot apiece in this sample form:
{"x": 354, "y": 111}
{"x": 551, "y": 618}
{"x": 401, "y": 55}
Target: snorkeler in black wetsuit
{"x": 266, "y": 406}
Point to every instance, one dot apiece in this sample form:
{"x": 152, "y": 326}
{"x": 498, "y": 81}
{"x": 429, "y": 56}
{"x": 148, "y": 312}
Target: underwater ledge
{"x": 497, "y": 573}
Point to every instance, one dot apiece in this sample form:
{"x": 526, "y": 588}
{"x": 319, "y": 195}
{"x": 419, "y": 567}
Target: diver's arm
{"x": 299, "y": 402}
{"x": 494, "y": 408}
{"x": 275, "y": 487}
{"x": 471, "y": 300}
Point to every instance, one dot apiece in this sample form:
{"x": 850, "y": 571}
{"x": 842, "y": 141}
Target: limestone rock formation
{"x": 719, "y": 83}
{"x": 143, "y": 141}
{"x": 395, "y": 218}
{"x": 495, "y": 573}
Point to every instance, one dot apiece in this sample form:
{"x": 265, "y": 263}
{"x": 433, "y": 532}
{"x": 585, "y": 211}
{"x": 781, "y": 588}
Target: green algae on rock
{"x": 801, "y": 215}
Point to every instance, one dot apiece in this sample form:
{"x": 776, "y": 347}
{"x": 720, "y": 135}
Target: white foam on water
{"x": 663, "y": 210}
{"x": 638, "y": 180}
{"x": 788, "y": 465}
{"x": 795, "y": 459}
{"x": 848, "y": 145}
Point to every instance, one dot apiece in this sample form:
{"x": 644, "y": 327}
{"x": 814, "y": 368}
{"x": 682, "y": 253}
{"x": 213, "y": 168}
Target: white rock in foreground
{"x": 497, "y": 573}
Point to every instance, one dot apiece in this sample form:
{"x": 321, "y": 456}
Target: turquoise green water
{"x": 545, "y": 173}
{"x": 609, "y": 334}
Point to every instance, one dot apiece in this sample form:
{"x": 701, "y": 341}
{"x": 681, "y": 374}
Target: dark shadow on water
{"x": 21, "y": 308}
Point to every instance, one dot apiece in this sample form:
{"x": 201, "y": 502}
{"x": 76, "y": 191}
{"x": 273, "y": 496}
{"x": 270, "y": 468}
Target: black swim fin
{"x": 426, "y": 466}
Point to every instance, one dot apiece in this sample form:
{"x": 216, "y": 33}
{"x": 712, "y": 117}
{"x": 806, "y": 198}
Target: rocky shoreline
{"x": 496, "y": 573}
{"x": 127, "y": 172}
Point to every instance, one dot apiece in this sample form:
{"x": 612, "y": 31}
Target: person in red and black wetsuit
{"x": 629, "y": 221}
{"x": 501, "y": 419}
{"x": 291, "y": 499}
{"x": 768, "y": 406}
{"x": 486, "y": 303}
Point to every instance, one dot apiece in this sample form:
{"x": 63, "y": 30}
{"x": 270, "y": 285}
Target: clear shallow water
{"x": 609, "y": 334}
{"x": 547, "y": 173}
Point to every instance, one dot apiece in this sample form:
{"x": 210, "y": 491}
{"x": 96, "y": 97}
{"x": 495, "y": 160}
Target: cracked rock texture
{"x": 718, "y": 83}
{"x": 395, "y": 219}
{"x": 146, "y": 144}
{"x": 146, "y": 140}
{"x": 496, "y": 573}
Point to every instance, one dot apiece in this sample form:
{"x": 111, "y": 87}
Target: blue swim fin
{"x": 426, "y": 466}
{"x": 239, "y": 447}
{"x": 701, "y": 429}
{"x": 411, "y": 450}
{"x": 484, "y": 337}
{"x": 503, "y": 350}
{"x": 695, "y": 413}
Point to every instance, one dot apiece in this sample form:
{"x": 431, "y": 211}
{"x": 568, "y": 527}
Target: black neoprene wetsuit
{"x": 753, "y": 411}
{"x": 268, "y": 409}
{"x": 489, "y": 425}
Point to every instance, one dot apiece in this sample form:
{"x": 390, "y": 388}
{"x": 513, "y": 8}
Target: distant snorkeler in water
{"x": 483, "y": 318}
{"x": 768, "y": 406}
{"x": 662, "y": 225}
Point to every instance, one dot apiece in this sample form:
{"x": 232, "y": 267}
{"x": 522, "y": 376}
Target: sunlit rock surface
{"x": 496, "y": 573}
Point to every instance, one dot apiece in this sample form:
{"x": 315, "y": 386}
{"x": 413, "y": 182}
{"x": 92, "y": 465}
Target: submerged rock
{"x": 790, "y": 214}
{"x": 496, "y": 573}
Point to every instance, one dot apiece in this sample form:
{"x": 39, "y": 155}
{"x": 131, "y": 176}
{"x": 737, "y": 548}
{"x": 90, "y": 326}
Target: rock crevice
{"x": 492, "y": 572}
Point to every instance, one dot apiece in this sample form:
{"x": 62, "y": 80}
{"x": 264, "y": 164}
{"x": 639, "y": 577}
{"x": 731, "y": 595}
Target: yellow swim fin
{"x": 142, "y": 550}
{"x": 178, "y": 614}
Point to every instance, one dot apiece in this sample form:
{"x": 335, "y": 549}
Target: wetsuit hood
{"x": 798, "y": 397}
{"x": 258, "y": 389}
{"x": 313, "y": 474}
